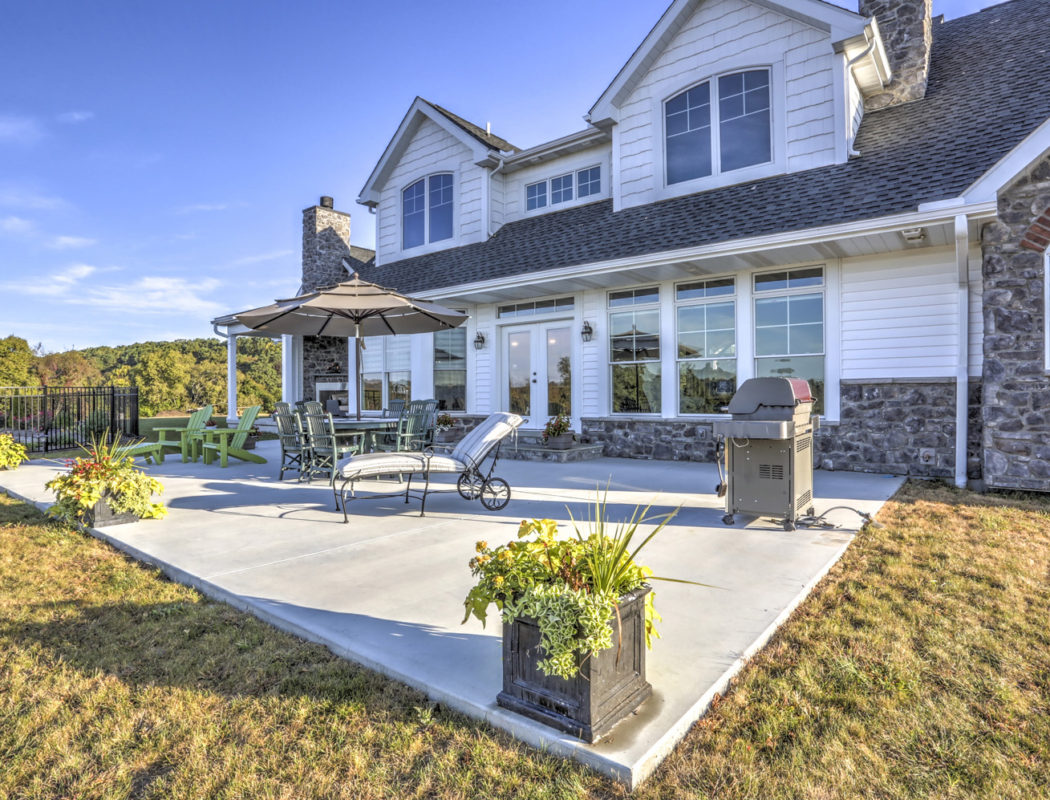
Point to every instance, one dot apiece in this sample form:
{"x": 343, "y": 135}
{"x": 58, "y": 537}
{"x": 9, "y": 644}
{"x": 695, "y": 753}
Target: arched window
{"x": 426, "y": 211}
{"x": 705, "y": 137}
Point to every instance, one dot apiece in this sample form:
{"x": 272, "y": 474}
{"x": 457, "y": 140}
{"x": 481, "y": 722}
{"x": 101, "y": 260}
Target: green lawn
{"x": 920, "y": 667}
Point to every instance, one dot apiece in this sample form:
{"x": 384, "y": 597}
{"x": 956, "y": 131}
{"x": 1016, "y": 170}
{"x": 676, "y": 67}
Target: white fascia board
{"x": 1031, "y": 148}
{"x": 555, "y": 148}
{"x": 735, "y": 246}
{"x": 419, "y": 109}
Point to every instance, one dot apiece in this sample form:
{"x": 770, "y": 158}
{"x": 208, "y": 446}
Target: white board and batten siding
{"x": 900, "y": 316}
{"x": 723, "y": 36}
{"x": 431, "y": 149}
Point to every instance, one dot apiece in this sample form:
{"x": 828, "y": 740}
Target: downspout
{"x": 492, "y": 175}
{"x": 962, "y": 375}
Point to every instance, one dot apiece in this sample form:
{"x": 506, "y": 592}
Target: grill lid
{"x": 770, "y": 392}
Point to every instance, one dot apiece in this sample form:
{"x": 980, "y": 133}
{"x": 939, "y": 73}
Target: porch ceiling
{"x": 644, "y": 270}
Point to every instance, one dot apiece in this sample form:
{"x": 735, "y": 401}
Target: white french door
{"x": 537, "y": 373}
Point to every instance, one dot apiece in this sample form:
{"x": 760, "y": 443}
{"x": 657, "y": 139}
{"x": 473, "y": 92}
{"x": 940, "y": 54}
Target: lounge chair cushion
{"x": 371, "y": 464}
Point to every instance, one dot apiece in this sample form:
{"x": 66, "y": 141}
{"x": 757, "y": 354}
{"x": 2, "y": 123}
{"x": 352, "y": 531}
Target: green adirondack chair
{"x": 194, "y": 428}
{"x": 226, "y": 442}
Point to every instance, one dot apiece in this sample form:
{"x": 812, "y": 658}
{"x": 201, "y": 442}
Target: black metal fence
{"x": 57, "y": 418}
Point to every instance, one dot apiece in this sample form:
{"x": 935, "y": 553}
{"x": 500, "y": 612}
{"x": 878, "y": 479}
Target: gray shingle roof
{"x": 989, "y": 87}
{"x": 479, "y": 133}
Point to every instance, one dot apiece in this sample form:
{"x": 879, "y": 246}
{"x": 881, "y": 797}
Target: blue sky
{"x": 155, "y": 157}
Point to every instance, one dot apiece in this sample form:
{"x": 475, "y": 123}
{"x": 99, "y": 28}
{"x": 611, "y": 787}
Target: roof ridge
{"x": 479, "y": 133}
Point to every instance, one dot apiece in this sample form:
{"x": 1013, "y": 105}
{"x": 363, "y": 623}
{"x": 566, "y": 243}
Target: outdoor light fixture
{"x": 479, "y": 341}
{"x": 588, "y": 332}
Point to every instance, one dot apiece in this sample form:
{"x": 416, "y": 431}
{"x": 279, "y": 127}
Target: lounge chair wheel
{"x": 470, "y": 485}
{"x": 727, "y": 519}
{"x": 495, "y": 494}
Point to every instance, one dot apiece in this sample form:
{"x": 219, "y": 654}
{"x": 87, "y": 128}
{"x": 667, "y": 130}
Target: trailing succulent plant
{"x": 107, "y": 471}
{"x": 12, "y": 453}
{"x": 571, "y": 586}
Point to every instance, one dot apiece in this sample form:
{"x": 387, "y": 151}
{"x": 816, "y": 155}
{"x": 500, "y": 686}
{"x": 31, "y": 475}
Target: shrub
{"x": 11, "y": 452}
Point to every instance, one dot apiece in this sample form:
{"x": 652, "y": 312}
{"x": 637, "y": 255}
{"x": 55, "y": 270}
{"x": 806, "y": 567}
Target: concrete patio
{"x": 387, "y": 590}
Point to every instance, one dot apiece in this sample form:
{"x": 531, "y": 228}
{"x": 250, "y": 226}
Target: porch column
{"x": 291, "y": 368}
{"x": 231, "y": 378}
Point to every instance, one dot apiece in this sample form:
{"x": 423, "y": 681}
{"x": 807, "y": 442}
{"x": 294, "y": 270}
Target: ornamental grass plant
{"x": 109, "y": 473}
{"x": 571, "y": 586}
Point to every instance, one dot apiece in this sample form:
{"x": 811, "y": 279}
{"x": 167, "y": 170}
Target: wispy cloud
{"x": 73, "y": 117}
{"x": 196, "y": 207}
{"x": 14, "y": 197}
{"x": 260, "y": 258}
{"x": 70, "y": 242}
{"x": 151, "y": 295}
{"x": 18, "y": 226}
{"x": 19, "y": 130}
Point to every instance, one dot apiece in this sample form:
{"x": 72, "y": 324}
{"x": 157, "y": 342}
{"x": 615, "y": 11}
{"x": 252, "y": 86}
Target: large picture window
{"x": 706, "y": 331}
{"x": 426, "y": 211}
{"x": 450, "y": 369}
{"x": 789, "y": 327}
{"x": 704, "y": 137}
{"x": 634, "y": 351}
{"x": 386, "y": 372}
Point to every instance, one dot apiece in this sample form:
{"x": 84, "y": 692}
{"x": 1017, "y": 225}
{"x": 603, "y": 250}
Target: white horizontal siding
{"x": 593, "y": 367}
{"x": 483, "y": 374}
{"x": 725, "y": 32}
{"x": 900, "y": 315}
{"x": 430, "y": 149}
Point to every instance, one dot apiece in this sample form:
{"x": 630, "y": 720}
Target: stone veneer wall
{"x": 907, "y": 34}
{"x": 1016, "y": 388}
{"x": 323, "y": 357}
{"x": 882, "y": 428}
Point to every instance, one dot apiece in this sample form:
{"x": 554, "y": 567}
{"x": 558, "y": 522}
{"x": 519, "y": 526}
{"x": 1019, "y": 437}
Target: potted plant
{"x": 252, "y": 438}
{"x": 557, "y": 433}
{"x": 105, "y": 487}
{"x": 577, "y": 617}
{"x": 11, "y": 452}
{"x": 443, "y": 425}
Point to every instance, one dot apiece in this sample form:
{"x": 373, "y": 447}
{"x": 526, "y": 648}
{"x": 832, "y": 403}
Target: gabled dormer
{"x": 729, "y": 91}
{"x": 430, "y": 190}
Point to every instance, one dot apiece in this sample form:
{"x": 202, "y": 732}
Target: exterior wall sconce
{"x": 479, "y": 341}
{"x": 587, "y": 332}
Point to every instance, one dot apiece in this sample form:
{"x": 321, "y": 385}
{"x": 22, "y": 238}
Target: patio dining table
{"x": 370, "y": 426}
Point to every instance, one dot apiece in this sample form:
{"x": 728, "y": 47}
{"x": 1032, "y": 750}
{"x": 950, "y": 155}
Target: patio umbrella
{"x": 353, "y": 308}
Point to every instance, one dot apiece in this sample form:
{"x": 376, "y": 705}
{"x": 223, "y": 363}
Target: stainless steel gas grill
{"x": 768, "y": 450}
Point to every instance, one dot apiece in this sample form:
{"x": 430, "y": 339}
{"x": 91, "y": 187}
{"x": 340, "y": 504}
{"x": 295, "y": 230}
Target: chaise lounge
{"x": 466, "y": 459}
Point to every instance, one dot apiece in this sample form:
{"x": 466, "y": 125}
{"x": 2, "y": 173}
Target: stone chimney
{"x": 907, "y": 33}
{"x": 326, "y": 242}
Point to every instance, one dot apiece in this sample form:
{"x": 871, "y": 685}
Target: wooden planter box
{"x": 445, "y": 437}
{"x": 605, "y": 690}
{"x": 101, "y": 515}
{"x": 561, "y": 442}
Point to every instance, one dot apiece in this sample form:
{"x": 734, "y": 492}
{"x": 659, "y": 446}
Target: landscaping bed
{"x": 919, "y": 666}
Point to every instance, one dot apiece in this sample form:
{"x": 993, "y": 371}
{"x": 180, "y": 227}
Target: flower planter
{"x": 250, "y": 442}
{"x": 610, "y": 684}
{"x": 561, "y": 442}
{"x": 445, "y": 437}
{"x": 101, "y": 514}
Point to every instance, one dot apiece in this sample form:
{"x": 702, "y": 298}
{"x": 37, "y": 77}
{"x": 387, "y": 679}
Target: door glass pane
{"x": 559, "y": 377}
{"x": 519, "y": 373}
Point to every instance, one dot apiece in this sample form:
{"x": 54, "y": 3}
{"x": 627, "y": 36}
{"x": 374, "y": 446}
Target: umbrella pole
{"x": 357, "y": 366}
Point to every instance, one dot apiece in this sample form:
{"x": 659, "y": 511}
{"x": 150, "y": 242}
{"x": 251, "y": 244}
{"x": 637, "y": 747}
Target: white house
{"x": 767, "y": 187}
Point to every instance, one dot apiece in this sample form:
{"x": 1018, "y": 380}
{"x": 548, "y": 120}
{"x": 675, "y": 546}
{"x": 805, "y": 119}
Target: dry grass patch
{"x": 920, "y": 667}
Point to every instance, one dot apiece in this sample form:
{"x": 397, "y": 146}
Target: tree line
{"x": 170, "y": 376}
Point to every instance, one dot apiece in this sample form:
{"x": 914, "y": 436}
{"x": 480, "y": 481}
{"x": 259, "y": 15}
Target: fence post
{"x": 46, "y": 407}
{"x": 112, "y": 411}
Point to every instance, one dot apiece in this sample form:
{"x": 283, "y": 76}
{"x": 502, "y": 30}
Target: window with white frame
{"x": 560, "y": 189}
{"x": 634, "y": 351}
{"x": 426, "y": 211}
{"x": 450, "y": 369}
{"x": 720, "y": 125}
{"x": 386, "y": 372}
{"x": 789, "y": 326}
{"x": 705, "y": 322}
{"x": 532, "y": 308}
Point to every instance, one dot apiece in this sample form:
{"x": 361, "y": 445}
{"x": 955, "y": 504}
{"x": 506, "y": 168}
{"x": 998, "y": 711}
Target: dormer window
{"x": 562, "y": 188}
{"x": 426, "y": 211}
{"x": 705, "y": 138}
